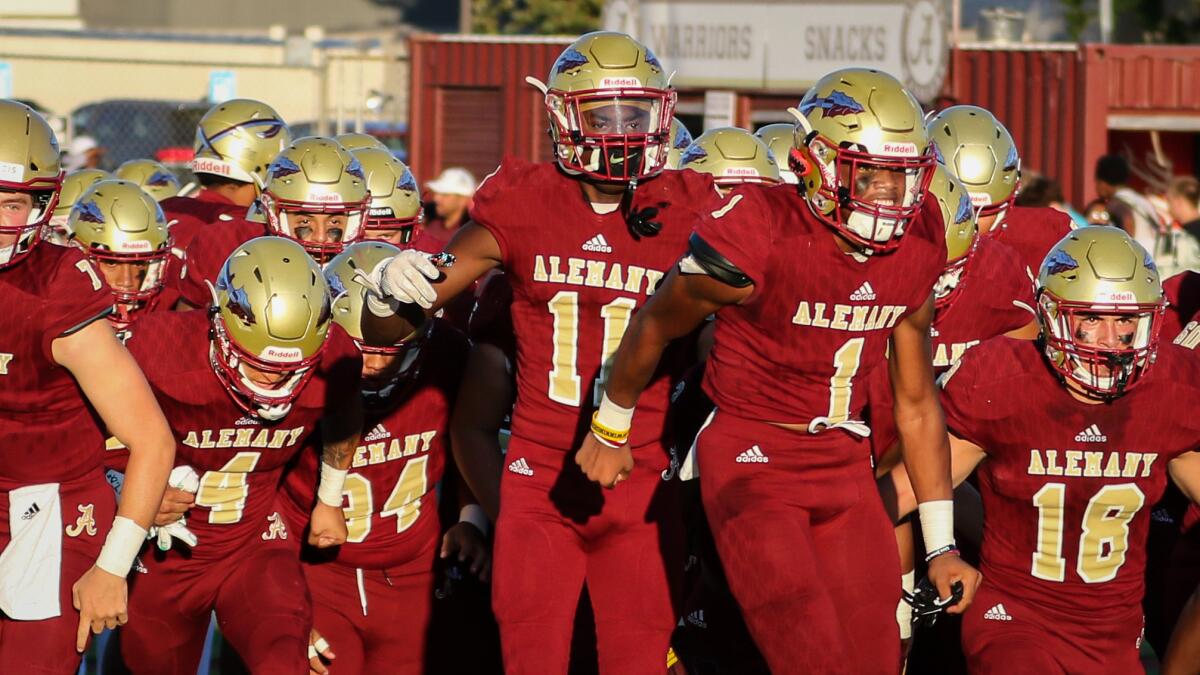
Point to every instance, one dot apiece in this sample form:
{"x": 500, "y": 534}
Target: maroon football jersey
{"x": 1033, "y": 231}
{"x": 491, "y": 318}
{"x": 239, "y": 457}
{"x": 1068, "y": 486}
{"x": 191, "y": 216}
{"x": 577, "y": 277}
{"x": 49, "y": 432}
{"x": 996, "y": 297}
{"x": 802, "y": 347}
{"x": 391, "y": 505}
{"x": 1183, "y": 301}
{"x": 207, "y": 254}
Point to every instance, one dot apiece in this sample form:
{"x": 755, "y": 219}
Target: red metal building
{"x": 1065, "y": 104}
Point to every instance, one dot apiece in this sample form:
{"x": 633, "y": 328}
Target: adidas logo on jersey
{"x": 597, "y": 244}
{"x": 1091, "y": 435}
{"x": 31, "y": 512}
{"x": 377, "y": 434}
{"x": 997, "y": 613}
{"x": 754, "y": 455}
{"x": 864, "y": 292}
{"x": 521, "y": 467}
{"x": 696, "y": 618}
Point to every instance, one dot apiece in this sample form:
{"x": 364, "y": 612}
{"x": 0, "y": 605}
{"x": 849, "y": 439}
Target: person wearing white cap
{"x": 451, "y": 191}
{"x": 83, "y": 153}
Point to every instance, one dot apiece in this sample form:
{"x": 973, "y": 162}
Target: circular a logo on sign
{"x": 925, "y": 47}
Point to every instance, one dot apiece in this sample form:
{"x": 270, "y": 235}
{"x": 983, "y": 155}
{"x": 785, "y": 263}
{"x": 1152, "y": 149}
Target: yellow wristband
{"x": 608, "y": 434}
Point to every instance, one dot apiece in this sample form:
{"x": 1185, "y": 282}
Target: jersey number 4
{"x": 1103, "y": 541}
{"x": 566, "y": 386}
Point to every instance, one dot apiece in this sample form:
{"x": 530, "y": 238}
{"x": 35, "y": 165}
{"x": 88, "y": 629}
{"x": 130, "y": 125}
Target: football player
{"x": 778, "y": 138}
{"x": 583, "y": 241}
{"x": 156, "y": 179}
{"x": 395, "y": 213}
{"x": 315, "y": 194}
{"x": 357, "y": 141}
{"x": 60, "y": 367}
{"x": 978, "y": 149}
{"x": 122, "y": 230}
{"x": 73, "y": 187}
{"x": 809, "y": 288}
{"x": 372, "y": 596}
{"x": 732, "y": 157}
{"x": 1074, "y": 437}
{"x": 243, "y": 387}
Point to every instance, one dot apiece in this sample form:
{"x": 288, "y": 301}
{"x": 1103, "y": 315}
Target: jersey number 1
{"x": 566, "y": 386}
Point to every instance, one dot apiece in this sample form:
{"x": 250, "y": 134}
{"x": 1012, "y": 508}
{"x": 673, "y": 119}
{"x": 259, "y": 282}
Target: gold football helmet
{"x": 238, "y": 139}
{"x": 780, "y": 139}
{"x": 123, "y": 231}
{"x": 959, "y": 217}
{"x": 29, "y": 164}
{"x": 864, "y": 161}
{"x": 610, "y": 108}
{"x": 732, "y": 156}
{"x": 272, "y": 314}
{"x": 681, "y": 138}
{"x": 396, "y": 209}
{"x": 980, "y": 151}
{"x": 73, "y": 187}
{"x": 316, "y": 194}
{"x": 1097, "y": 272}
{"x": 156, "y": 179}
{"x": 356, "y": 141}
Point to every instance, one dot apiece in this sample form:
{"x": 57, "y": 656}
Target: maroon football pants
{"x": 259, "y": 595}
{"x": 1006, "y": 636}
{"x": 389, "y": 634}
{"x": 806, "y": 546}
{"x": 558, "y": 530}
{"x": 48, "y": 646}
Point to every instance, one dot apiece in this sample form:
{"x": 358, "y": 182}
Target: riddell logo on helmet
{"x": 136, "y": 247}
{"x": 1118, "y": 296}
{"x": 324, "y": 197}
{"x": 980, "y": 199}
{"x": 210, "y": 166}
{"x": 904, "y": 149}
{"x": 289, "y": 354}
{"x": 606, "y": 82}
{"x": 740, "y": 171}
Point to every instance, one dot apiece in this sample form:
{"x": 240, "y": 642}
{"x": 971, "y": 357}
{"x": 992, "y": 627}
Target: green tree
{"x": 538, "y": 17}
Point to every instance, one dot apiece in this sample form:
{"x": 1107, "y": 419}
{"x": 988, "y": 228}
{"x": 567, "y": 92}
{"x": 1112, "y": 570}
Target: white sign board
{"x": 222, "y": 86}
{"x": 6, "y": 80}
{"x": 719, "y": 108}
{"x": 774, "y": 45}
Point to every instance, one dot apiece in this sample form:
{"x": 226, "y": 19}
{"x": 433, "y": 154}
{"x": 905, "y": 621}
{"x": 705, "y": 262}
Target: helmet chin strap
{"x": 641, "y": 222}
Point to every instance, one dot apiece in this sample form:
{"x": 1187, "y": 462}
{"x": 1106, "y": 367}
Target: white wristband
{"x": 904, "y": 610}
{"x": 473, "y": 514}
{"x": 613, "y": 416}
{"x": 121, "y": 546}
{"x": 329, "y": 491}
{"x": 937, "y": 524}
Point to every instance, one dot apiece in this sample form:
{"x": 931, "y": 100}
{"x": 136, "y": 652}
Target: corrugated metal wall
{"x": 451, "y": 75}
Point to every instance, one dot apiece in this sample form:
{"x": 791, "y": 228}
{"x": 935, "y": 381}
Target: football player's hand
{"x": 948, "y": 568}
{"x": 465, "y": 540}
{"x": 406, "y": 278}
{"x": 175, "y": 503}
{"x": 327, "y": 527}
{"x": 602, "y": 463}
{"x": 163, "y": 534}
{"x": 103, "y": 602}
{"x": 319, "y": 653}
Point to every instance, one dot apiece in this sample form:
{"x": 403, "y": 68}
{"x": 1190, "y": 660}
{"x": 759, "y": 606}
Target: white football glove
{"x": 182, "y": 478}
{"x": 405, "y": 278}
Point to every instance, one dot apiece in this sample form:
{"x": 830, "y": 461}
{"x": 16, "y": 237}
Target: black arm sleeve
{"x": 716, "y": 265}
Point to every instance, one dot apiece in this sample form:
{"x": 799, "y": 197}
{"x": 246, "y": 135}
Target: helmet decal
{"x": 694, "y": 153}
{"x": 284, "y": 166}
{"x": 1012, "y": 160}
{"x": 89, "y": 212}
{"x": 683, "y": 138}
{"x": 652, "y": 60}
{"x": 407, "y": 182}
{"x": 1059, "y": 262}
{"x": 569, "y": 60}
{"x": 1148, "y": 261}
{"x": 336, "y": 287}
{"x": 965, "y": 210}
{"x": 937, "y": 154}
{"x": 271, "y": 128}
{"x": 837, "y": 103}
{"x": 355, "y": 169}
{"x": 159, "y": 179}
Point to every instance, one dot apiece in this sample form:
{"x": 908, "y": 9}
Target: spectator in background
{"x": 451, "y": 193}
{"x": 1183, "y": 202}
{"x": 1130, "y": 210}
{"x": 83, "y": 153}
{"x": 1096, "y": 213}
{"x": 1038, "y": 190}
